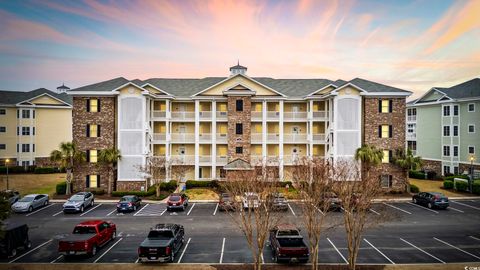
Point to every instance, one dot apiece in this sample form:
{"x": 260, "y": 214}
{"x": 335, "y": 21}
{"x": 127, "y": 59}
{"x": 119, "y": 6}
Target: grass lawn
{"x": 201, "y": 194}
{"x": 436, "y": 186}
{"x": 32, "y": 183}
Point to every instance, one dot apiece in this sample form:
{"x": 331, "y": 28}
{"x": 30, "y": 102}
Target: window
{"x": 93, "y": 131}
{"x": 385, "y": 131}
{"x": 446, "y": 131}
{"x": 455, "y": 170}
{"x": 384, "y": 106}
{"x": 471, "y": 128}
{"x": 3, "y": 112}
{"x": 455, "y": 110}
{"x": 455, "y": 151}
{"x": 93, "y": 105}
{"x": 412, "y": 111}
{"x": 33, "y": 146}
{"x": 25, "y": 131}
{"x": 410, "y": 128}
{"x": 471, "y": 107}
{"x": 25, "y": 114}
{"x": 471, "y": 149}
{"x": 3, "y": 146}
{"x": 92, "y": 156}
{"x": 446, "y": 169}
{"x": 387, "y": 156}
{"x": 3, "y": 129}
{"x": 93, "y": 181}
{"x": 386, "y": 180}
{"x": 455, "y": 130}
{"x": 239, "y": 150}
{"x": 446, "y": 150}
{"x": 25, "y": 163}
{"x": 412, "y": 145}
{"x": 25, "y": 147}
{"x": 238, "y": 128}
{"x": 239, "y": 105}
{"x": 33, "y": 130}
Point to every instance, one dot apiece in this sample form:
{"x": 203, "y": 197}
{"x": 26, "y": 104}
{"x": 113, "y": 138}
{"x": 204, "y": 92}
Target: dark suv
{"x": 162, "y": 243}
{"x": 431, "y": 200}
{"x": 177, "y": 201}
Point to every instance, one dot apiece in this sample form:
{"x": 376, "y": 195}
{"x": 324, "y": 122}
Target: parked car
{"x": 287, "y": 244}
{"x": 129, "y": 203}
{"x": 11, "y": 196}
{"x": 330, "y": 201}
{"x": 30, "y": 202}
{"x": 177, "y": 201}
{"x": 162, "y": 243}
{"x": 226, "y": 202}
{"x": 87, "y": 237}
{"x": 78, "y": 202}
{"x": 431, "y": 200}
{"x": 277, "y": 201}
{"x": 14, "y": 237}
{"x": 250, "y": 200}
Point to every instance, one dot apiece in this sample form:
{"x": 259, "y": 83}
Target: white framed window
{"x": 446, "y": 131}
{"x": 386, "y": 156}
{"x": 3, "y": 111}
{"x": 455, "y": 170}
{"x": 471, "y": 128}
{"x": 455, "y": 130}
{"x": 446, "y": 110}
{"x": 455, "y": 110}
{"x": 446, "y": 150}
{"x": 3, "y": 129}
{"x": 25, "y": 131}
{"x": 455, "y": 150}
{"x": 386, "y": 180}
{"x": 471, "y": 149}
{"x": 446, "y": 169}
{"x": 471, "y": 107}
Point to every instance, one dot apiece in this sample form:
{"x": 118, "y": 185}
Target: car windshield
{"x": 26, "y": 199}
{"x": 84, "y": 230}
{"x": 160, "y": 235}
{"x": 77, "y": 198}
{"x": 126, "y": 199}
{"x": 174, "y": 198}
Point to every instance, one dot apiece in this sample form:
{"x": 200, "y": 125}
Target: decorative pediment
{"x": 237, "y": 165}
{"x": 238, "y": 82}
{"x": 45, "y": 100}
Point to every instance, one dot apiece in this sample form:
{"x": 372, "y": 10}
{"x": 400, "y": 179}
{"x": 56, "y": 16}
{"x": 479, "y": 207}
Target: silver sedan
{"x": 30, "y": 202}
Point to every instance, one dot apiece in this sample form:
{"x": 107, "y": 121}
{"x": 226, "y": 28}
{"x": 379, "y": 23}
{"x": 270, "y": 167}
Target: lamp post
{"x": 6, "y": 165}
{"x": 472, "y": 158}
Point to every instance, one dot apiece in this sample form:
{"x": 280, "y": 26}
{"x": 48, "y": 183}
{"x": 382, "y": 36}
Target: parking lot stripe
{"x": 191, "y": 208}
{"x": 455, "y": 209}
{"x": 58, "y": 258}
{"x": 95, "y": 207}
{"x": 106, "y": 251}
{"x": 138, "y": 212}
{"x": 466, "y": 205}
{"x": 473, "y": 237}
{"x": 183, "y": 252}
{"x": 31, "y": 250}
{"x": 216, "y": 208}
{"x": 339, "y": 253}
{"x": 381, "y": 253}
{"x": 424, "y": 208}
{"x": 56, "y": 214}
{"x": 111, "y": 212}
{"x": 138, "y": 259}
{"x": 457, "y": 248}
{"x": 422, "y": 250}
{"x": 291, "y": 209}
{"x": 373, "y": 211}
{"x": 43, "y": 208}
{"x": 223, "y": 248}
{"x": 400, "y": 209}
{"x": 163, "y": 212}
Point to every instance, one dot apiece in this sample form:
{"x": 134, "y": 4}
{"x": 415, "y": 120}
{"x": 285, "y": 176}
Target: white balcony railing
{"x": 291, "y": 159}
{"x": 181, "y": 115}
{"x": 295, "y": 115}
{"x": 411, "y": 136}
{"x": 411, "y": 118}
{"x": 204, "y": 159}
{"x": 205, "y": 137}
{"x": 272, "y": 115}
{"x": 222, "y": 115}
{"x": 318, "y": 138}
{"x": 159, "y": 114}
{"x": 222, "y": 160}
{"x": 183, "y": 137}
{"x": 256, "y": 137}
{"x": 256, "y": 115}
{"x": 221, "y": 137}
{"x": 320, "y": 114}
{"x": 294, "y": 137}
{"x": 183, "y": 160}
{"x": 256, "y": 160}
{"x": 159, "y": 136}
{"x": 273, "y": 137}
{"x": 205, "y": 115}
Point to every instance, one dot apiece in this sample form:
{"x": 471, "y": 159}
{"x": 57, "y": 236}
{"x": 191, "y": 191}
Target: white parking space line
{"x": 111, "y": 212}
{"x": 321, "y": 212}
{"x": 373, "y": 211}
{"x": 473, "y": 237}
{"x": 466, "y": 205}
{"x": 43, "y": 208}
{"x": 331, "y": 243}
{"x": 422, "y": 250}
{"x": 214, "y": 212}
{"x": 291, "y": 209}
{"x": 106, "y": 251}
{"x": 58, "y": 258}
{"x": 191, "y": 208}
{"x": 459, "y": 249}
{"x": 163, "y": 212}
{"x": 31, "y": 250}
{"x": 424, "y": 208}
{"x": 95, "y": 207}
{"x": 223, "y": 249}
{"x": 455, "y": 209}
{"x": 138, "y": 212}
{"x": 399, "y": 209}
{"x": 183, "y": 252}
{"x": 381, "y": 253}
{"x": 56, "y": 214}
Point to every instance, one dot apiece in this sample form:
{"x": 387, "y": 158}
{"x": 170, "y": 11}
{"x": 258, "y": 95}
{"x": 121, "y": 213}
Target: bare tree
{"x": 179, "y": 171}
{"x": 251, "y": 190}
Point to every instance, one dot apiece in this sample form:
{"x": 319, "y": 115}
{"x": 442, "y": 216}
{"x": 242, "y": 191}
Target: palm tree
{"x": 407, "y": 161}
{"x": 66, "y": 157}
{"x": 370, "y": 157}
{"x": 109, "y": 157}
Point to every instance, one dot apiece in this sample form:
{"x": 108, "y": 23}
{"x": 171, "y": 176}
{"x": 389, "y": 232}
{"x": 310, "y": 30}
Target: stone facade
{"x": 105, "y": 118}
{"x": 235, "y": 117}
{"x": 432, "y": 165}
{"x": 131, "y": 185}
{"x": 44, "y": 162}
{"x": 372, "y": 118}
{"x": 464, "y": 167}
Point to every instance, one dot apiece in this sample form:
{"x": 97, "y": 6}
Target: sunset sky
{"x": 414, "y": 45}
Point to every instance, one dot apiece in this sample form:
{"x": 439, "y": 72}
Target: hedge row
{"x": 447, "y": 184}
{"x": 201, "y": 184}
{"x": 16, "y": 169}
{"x": 61, "y": 188}
{"x": 451, "y": 177}
{"x": 416, "y": 174}
{"x": 461, "y": 186}
{"x": 476, "y": 187}
{"x": 414, "y": 189}
{"x": 45, "y": 170}
{"x": 165, "y": 186}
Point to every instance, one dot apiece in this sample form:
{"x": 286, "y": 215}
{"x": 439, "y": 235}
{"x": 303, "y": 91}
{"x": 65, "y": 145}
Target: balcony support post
{"x": 197, "y": 138}
{"x": 213, "y": 155}
{"x": 280, "y": 142}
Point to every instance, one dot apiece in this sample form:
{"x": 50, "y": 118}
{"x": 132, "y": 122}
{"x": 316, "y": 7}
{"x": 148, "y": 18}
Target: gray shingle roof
{"x": 468, "y": 89}
{"x": 103, "y": 86}
{"x": 374, "y": 87}
{"x": 184, "y": 87}
{"x": 14, "y": 97}
{"x": 294, "y": 87}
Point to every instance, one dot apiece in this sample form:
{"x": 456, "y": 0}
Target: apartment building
{"x": 218, "y": 125}
{"x": 32, "y": 124}
{"x": 442, "y": 127}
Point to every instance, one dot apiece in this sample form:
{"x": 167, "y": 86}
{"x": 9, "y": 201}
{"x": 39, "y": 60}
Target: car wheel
{"x": 134, "y": 208}
{"x": 13, "y": 252}
{"x": 28, "y": 244}
{"x": 415, "y": 201}
{"x": 30, "y": 209}
{"x": 45, "y": 203}
{"x": 94, "y": 250}
{"x": 183, "y": 208}
{"x": 172, "y": 257}
{"x": 91, "y": 204}
{"x": 81, "y": 209}
{"x": 429, "y": 205}
{"x": 114, "y": 235}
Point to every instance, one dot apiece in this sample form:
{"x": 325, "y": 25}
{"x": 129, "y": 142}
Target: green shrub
{"x": 200, "y": 184}
{"x": 451, "y": 177}
{"x": 45, "y": 170}
{"x": 414, "y": 189}
{"x": 16, "y": 169}
{"x": 416, "y": 174}
{"x": 97, "y": 191}
{"x": 461, "y": 186}
{"x": 138, "y": 193}
{"x": 447, "y": 184}
{"x": 164, "y": 186}
{"x": 61, "y": 188}
{"x": 167, "y": 186}
{"x": 476, "y": 187}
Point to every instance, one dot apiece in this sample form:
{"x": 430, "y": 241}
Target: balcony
{"x": 183, "y": 115}
{"x": 183, "y": 138}
{"x": 320, "y": 115}
{"x": 222, "y": 116}
{"x": 291, "y": 159}
{"x": 222, "y": 138}
{"x": 318, "y": 138}
{"x": 272, "y": 115}
{"x": 222, "y": 160}
{"x": 256, "y": 160}
{"x": 256, "y": 137}
{"x": 294, "y": 137}
{"x": 159, "y": 115}
{"x": 411, "y": 136}
{"x": 205, "y": 137}
{"x": 411, "y": 118}
{"x": 159, "y": 137}
{"x": 257, "y": 116}
{"x": 295, "y": 116}
{"x": 183, "y": 160}
{"x": 205, "y": 115}
{"x": 273, "y": 138}
{"x": 204, "y": 160}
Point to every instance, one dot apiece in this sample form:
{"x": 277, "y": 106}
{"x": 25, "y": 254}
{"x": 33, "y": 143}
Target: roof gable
{"x": 238, "y": 80}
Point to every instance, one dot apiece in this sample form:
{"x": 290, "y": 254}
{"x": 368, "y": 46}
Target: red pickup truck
{"x": 287, "y": 244}
{"x": 87, "y": 237}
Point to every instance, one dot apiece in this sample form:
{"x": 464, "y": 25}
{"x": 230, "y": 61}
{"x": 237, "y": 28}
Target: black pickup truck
{"x": 162, "y": 243}
{"x": 287, "y": 244}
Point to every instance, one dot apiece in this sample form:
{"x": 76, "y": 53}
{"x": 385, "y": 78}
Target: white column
{"x": 197, "y": 137}
{"x": 264, "y": 132}
{"x": 280, "y": 142}
{"x": 310, "y": 128}
{"x": 214, "y": 140}
{"x": 168, "y": 137}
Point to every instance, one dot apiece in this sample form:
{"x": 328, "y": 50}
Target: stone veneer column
{"x": 280, "y": 142}
{"x": 244, "y": 117}
{"x": 264, "y": 133}
{"x": 197, "y": 138}
{"x": 214, "y": 140}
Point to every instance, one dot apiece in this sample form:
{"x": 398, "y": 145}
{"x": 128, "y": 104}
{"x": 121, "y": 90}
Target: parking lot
{"x": 415, "y": 235}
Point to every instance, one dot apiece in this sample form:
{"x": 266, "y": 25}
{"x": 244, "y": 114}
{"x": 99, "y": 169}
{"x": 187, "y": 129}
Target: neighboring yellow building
{"x": 32, "y": 124}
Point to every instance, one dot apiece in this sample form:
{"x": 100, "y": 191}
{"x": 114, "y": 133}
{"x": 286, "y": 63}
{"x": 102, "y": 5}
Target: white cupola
{"x": 238, "y": 69}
